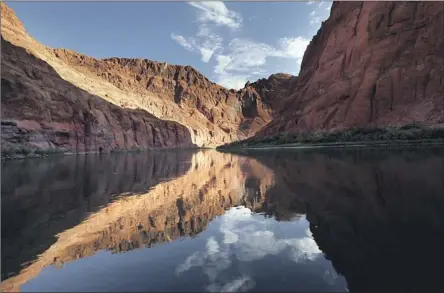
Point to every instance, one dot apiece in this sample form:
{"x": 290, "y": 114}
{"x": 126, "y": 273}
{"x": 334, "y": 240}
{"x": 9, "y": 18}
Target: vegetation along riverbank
{"x": 407, "y": 135}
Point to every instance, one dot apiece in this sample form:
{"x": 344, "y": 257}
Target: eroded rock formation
{"x": 211, "y": 114}
{"x": 371, "y": 63}
{"x": 40, "y": 110}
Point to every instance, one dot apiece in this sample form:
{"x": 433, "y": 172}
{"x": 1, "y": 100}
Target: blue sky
{"x": 229, "y": 42}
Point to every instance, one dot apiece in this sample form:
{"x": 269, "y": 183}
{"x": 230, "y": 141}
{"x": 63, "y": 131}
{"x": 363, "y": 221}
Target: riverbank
{"x": 408, "y": 135}
{"x": 25, "y": 153}
{"x": 362, "y": 144}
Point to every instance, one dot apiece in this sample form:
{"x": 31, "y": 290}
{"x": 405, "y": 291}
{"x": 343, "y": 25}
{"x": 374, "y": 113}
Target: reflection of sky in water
{"x": 246, "y": 237}
{"x": 239, "y": 251}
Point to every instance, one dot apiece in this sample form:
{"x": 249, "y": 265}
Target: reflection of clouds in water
{"x": 212, "y": 246}
{"x": 240, "y": 284}
{"x": 330, "y": 276}
{"x": 212, "y": 259}
{"x": 256, "y": 245}
{"x": 303, "y": 249}
{"x": 253, "y": 241}
{"x": 249, "y": 238}
{"x": 230, "y": 237}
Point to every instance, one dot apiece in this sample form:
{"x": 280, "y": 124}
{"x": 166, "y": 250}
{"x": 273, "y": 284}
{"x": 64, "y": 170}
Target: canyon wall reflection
{"x": 377, "y": 215}
{"x": 69, "y": 208}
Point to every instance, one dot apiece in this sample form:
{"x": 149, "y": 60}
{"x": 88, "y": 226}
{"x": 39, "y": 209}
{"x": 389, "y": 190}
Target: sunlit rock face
{"x": 41, "y": 110}
{"x": 371, "y": 63}
{"x": 61, "y": 99}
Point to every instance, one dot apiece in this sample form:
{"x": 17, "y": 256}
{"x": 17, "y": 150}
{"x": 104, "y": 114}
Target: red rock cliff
{"x": 42, "y": 111}
{"x": 212, "y": 115}
{"x": 371, "y": 63}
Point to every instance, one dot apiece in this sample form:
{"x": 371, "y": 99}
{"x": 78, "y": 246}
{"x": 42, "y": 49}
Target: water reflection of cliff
{"x": 378, "y": 216}
{"x": 41, "y": 199}
{"x": 69, "y": 210}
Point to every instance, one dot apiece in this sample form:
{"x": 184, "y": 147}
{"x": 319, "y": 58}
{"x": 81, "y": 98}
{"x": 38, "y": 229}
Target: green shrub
{"x": 411, "y": 125}
{"x": 411, "y": 131}
{"x": 23, "y": 151}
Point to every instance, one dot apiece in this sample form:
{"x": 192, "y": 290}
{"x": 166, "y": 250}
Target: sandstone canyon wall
{"x": 40, "y": 110}
{"x": 107, "y": 102}
{"x": 371, "y": 63}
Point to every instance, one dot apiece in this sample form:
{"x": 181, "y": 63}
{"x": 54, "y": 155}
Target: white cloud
{"x": 222, "y": 62}
{"x": 210, "y": 43}
{"x": 246, "y": 59}
{"x": 244, "y": 237}
{"x": 193, "y": 260}
{"x": 314, "y": 18}
{"x": 232, "y": 81}
{"x": 255, "y": 245}
{"x": 212, "y": 246}
{"x": 304, "y": 249}
{"x": 213, "y": 259}
{"x": 204, "y": 31}
{"x": 330, "y": 276}
{"x": 206, "y": 54}
{"x": 294, "y": 47}
{"x": 328, "y": 6}
{"x": 320, "y": 13}
{"x": 254, "y": 241}
{"x": 241, "y": 284}
{"x": 243, "y": 59}
{"x": 247, "y": 54}
{"x": 206, "y": 44}
{"x": 218, "y": 13}
{"x": 182, "y": 41}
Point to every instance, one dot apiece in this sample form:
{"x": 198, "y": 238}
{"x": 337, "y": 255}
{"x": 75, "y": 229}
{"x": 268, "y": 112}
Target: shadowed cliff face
{"x": 73, "y": 207}
{"x": 371, "y": 63}
{"x": 211, "y": 114}
{"x": 40, "y": 110}
{"x": 378, "y": 216}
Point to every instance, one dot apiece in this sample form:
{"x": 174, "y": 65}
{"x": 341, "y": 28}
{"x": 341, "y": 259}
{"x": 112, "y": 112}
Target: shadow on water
{"x": 41, "y": 198}
{"x": 76, "y": 206}
{"x": 377, "y": 215}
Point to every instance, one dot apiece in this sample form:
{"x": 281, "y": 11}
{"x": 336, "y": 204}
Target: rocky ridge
{"x": 371, "y": 63}
{"x": 211, "y": 114}
{"x": 40, "y": 110}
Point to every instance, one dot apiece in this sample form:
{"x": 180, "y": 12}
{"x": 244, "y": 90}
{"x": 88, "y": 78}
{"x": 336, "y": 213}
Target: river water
{"x": 208, "y": 221}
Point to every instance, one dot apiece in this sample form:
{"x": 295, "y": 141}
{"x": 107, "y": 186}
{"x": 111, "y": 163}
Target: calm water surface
{"x": 207, "y": 221}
